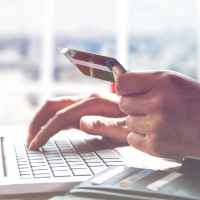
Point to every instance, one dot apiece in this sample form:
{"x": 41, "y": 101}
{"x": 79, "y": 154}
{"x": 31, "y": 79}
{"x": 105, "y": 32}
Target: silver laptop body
{"x": 67, "y": 159}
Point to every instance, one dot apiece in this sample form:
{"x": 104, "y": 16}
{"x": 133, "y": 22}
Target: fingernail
{"x": 31, "y": 145}
{"x": 88, "y": 124}
{"x": 118, "y": 69}
{"x": 28, "y": 140}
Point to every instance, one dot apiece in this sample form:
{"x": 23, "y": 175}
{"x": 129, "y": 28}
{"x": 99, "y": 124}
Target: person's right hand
{"x": 96, "y": 114}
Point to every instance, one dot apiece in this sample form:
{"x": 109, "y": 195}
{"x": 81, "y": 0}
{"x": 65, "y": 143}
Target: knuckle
{"x": 152, "y": 105}
{"x": 122, "y": 104}
{"x": 119, "y": 85}
{"x": 95, "y": 95}
{"x": 50, "y": 104}
{"x": 130, "y": 122}
{"x": 159, "y": 105}
{"x": 155, "y": 127}
{"x": 59, "y": 116}
{"x": 167, "y": 78}
{"x": 155, "y": 146}
{"x": 100, "y": 126}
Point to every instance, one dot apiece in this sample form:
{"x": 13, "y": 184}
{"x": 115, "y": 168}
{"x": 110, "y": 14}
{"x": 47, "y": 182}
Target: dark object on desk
{"x": 134, "y": 183}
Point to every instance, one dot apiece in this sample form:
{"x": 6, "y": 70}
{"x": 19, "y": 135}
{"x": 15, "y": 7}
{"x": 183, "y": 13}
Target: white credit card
{"x": 163, "y": 181}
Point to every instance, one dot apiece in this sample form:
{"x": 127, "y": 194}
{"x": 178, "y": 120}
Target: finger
{"x": 138, "y": 141}
{"x": 71, "y": 115}
{"x": 113, "y": 128}
{"x": 139, "y": 124}
{"x": 138, "y": 104}
{"x": 47, "y": 111}
{"x": 135, "y": 82}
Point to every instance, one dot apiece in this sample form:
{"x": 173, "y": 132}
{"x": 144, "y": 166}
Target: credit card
{"x": 136, "y": 177}
{"x": 93, "y": 65}
{"x": 163, "y": 181}
{"x": 104, "y": 177}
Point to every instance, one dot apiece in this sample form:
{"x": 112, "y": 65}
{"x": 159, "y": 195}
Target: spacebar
{"x": 101, "y": 148}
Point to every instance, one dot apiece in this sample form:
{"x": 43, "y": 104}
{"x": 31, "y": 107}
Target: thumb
{"x": 113, "y": 128}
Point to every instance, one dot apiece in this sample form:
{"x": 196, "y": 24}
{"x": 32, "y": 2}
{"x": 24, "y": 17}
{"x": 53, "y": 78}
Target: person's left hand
{"x": 96, "y": 114}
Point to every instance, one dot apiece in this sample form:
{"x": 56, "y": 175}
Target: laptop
{"x": 67, "y": 159}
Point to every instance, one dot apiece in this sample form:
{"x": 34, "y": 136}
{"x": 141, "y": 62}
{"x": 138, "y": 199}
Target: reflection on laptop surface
{"x": 64, "y": 161}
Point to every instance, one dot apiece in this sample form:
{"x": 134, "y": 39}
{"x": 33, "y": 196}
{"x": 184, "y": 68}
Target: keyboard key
{"x": 75, "y": 163}
{"x": 38, "y": 164}
{"x": 107, "y": 153}
{"x": 25, "y": 177}
{"x": 37, "y": 161}
{"x": 24, "y": 170}
{"x": 33, "y": 152}
{"x": 93, "y": 161}
{"x": 40, "y": 168}
{"x": 95, "y": 164}
{"x": 61, "y": 173}
{"x": 58, "y": 165}
{"x": 22, "y": 162}
{"x": 59, "y": 169}
{"x": 54, "y": 158}
{"x": 42, "y": 176}
{"x": 97, "y": 170}
{"x": 36, "y": 158}
{"x": 68, "y": 151}
{"x": 73, "y": 159}
{"x": 78, "y": 167}
{"x": 54, "y": 155}
{"x": 87, "y": 154}
{"x": 25, "y": 173}
{"x": 71, "y": 156}
{"x": 21, "y": 154}
{"x": 23, "y": 166}
{"x": 41, "y": 172}
{"x": 112, "y": 160}
{"x": 115, "y": 164}
{"x": 101, "y": 148}
{"x": 90, "y": 157}
{"x": 50, "y": 151}
{"x": 81, "y": 172}
{"x": 55, "y": 161}
{"x": 21, "y": 159}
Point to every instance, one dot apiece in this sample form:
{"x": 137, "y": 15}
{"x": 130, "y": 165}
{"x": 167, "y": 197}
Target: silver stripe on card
{"x": 88, "y": 64}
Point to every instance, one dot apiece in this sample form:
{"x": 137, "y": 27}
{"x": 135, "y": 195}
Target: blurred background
{"x": 141, "y": 34}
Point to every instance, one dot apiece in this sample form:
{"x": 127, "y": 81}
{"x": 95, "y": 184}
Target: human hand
{"x": 96, "y": 114}
{"x": 163, "y": 111}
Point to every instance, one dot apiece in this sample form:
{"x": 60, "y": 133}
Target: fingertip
{"x": 119, "y": 84}
{"x": 29, "y": 139}
{"x": 86, "y": 123}
{"x": 32, "y": 145}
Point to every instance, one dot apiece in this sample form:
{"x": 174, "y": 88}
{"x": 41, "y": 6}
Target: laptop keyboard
{"x": 64, "y": 158}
